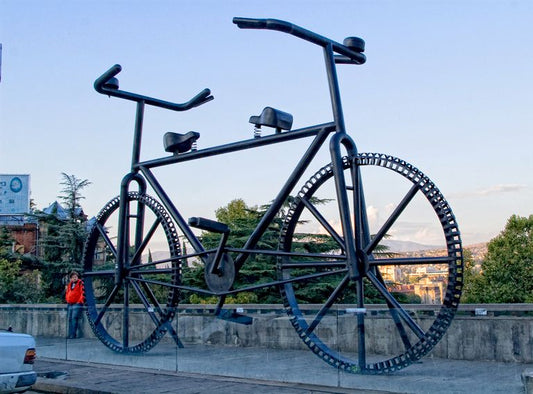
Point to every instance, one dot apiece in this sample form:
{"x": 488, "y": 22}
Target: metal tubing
{"x": 240, "y": 145}
{"x": 283, "y": 194}
{"x": 123, "y": 224}
{"x": 300, "y": 32}
{"x": 342, "y": 198}
{"x": 334, "y": 90}
{"x": 167, "y": 202}
{"x": 137, "y": 136}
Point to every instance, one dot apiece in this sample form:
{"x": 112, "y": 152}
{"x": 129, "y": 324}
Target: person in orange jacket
{"x": 74, "y": 298}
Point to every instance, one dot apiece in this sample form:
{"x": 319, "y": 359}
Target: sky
{"x": 448, "y": 87}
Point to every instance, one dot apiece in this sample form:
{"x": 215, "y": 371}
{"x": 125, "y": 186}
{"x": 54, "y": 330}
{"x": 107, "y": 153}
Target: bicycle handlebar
{"x": 100, "y": 86}
{"x": 300, "y": 32}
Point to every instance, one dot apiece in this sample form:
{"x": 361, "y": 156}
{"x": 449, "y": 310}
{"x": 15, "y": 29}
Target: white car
{"x": 17, "y": 354}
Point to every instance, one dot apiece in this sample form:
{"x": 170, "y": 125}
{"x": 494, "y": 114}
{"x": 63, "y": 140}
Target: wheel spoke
{"x": 327, "y": 305}
{"x": 107, "y": 241}
{"x": 313, "y": 264}
{"x": 159, "y": 323}
{"x": 145, "y": 241}
{"x": 412, "y": 261}
{"x": 392, "y": 218}
{"x": 126, "y": 316}
{"x": 144, "y": 299}
{"x": 106, "y": 305}
{"x": 323, "y": 221}
{"x": 361, "y": 350}
{"x": 99, "y": 273}
{"x": 141, "y": 270}
{"x": 395, "y": 316}
{"x": 396, "y": 305}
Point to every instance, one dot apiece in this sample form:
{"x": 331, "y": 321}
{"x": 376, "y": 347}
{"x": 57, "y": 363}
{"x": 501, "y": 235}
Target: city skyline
{"x": 447, "y": 87}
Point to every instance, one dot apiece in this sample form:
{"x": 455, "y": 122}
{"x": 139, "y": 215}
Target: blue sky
{"x": 448, "y": 86}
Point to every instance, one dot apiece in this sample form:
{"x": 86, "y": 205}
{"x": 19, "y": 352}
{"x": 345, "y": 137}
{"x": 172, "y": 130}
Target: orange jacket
{"x": 74, "y": 293}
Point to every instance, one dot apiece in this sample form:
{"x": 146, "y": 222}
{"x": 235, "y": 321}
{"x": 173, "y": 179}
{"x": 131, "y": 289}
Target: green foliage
{"x": 507, "y": 271}
{"x": 16, "y": 286}
{"x": 71, "y": 192}
{"x": 242, "y": 220}
{"x": 471, "y": 276}
{"x": 62, "y": 243}
{"x": 25, "y": 278}
{"x": 240, "y": 298}
{"x": 258, "y": 269}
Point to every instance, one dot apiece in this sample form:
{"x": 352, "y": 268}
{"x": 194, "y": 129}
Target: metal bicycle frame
{"x": 141, "y": 173}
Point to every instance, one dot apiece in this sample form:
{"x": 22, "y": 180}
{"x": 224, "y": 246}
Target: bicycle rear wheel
{"x": 118, "y": 301}
{"x": 331, "y": 311}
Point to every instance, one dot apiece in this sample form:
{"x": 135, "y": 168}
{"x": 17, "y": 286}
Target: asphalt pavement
{"x": 87, "y": 366}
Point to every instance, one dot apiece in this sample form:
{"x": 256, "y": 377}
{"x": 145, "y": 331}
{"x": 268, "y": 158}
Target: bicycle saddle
{"x": 180, "y": 143}
{"x": 272, "y": 117}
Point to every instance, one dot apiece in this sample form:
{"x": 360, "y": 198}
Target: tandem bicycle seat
{"x": 180, "y": 143}
{"x": 272, "y": 117}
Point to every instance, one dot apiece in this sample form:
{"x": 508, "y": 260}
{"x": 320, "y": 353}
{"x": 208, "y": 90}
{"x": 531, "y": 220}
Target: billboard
{"x": 14, "y": 194}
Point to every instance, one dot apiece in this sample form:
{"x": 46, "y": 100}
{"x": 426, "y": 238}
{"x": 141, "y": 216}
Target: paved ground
{"x": 88, "y": 378}
{"x": 91, "y": 368}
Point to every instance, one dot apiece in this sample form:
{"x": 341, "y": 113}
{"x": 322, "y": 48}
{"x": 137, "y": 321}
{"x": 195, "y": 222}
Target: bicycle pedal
{"x": 234, "y": 317}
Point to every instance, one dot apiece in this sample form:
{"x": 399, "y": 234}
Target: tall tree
{"x": 65, "y": 235}
{"x": 71, "y": 192}
{"x": 507, "y": 271}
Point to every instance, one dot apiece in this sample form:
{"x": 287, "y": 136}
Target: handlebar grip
{"x": 250, "y": 23}
{"x": 203, "y": 97}
{"x": 99, "y": 83}
{"x": 269, "y": 24}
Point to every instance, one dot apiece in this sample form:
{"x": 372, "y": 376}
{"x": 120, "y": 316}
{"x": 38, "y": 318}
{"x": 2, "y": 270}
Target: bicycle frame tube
{"x": 321, "y": 132}
{"x": 123, "y": 224}
{"x": 238, "y": 146}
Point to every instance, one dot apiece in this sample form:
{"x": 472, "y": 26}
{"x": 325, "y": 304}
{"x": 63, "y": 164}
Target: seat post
{"x": 334, "y": 89}
{"x": 137, "y": 135}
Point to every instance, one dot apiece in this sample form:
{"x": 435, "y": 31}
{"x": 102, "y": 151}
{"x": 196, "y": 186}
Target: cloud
{"x": 491, "y": 190}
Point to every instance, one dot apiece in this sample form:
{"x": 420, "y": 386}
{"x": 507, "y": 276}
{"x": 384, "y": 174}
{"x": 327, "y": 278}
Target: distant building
{"x": 27, "y": 230}
{"x": 25, "y": 233}
{"x": 14, "y": 209}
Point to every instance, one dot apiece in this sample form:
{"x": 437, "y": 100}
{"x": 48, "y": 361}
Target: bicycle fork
{"x": 354, "y": 226}
{"x": 356, "y": 231}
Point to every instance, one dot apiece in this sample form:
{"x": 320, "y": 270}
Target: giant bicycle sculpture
{"x": 119, "y": 267}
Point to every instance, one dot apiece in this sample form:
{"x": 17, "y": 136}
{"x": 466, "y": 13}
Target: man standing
{"x": 74, "y": 297}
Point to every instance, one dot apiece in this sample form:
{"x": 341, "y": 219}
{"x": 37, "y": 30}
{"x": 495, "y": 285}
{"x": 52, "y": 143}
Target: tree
{"x": 507, "y": 271}
{"x": 241, "y": 220}
{"x": 470, "y": 278}
{"x": 260, "y": 268}
{"x": 16, "y": 285}
{"x": 72, "y": 187}
{"x": 65, "y": 235}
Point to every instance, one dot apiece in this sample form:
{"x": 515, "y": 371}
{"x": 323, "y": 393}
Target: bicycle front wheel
{"x": 120, "y": 300}
{"x": 343, "y": 318}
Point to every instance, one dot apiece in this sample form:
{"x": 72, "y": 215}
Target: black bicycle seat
{"x": 180, "y": 143}
{"x": 272, "y": 117}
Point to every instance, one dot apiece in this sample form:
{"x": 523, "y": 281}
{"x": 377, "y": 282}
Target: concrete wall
{"x": 504, "y": 333}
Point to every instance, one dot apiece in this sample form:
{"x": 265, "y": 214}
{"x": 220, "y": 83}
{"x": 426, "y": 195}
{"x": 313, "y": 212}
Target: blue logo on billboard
{"x": 15, "y": 185}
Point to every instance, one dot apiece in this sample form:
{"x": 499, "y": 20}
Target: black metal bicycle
{"x": 122, "y": 268}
